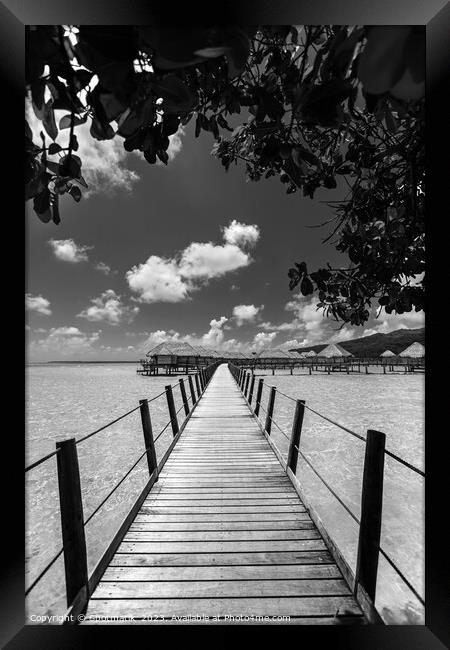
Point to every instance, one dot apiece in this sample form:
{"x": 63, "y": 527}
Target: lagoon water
{"x": 65, "y": 401}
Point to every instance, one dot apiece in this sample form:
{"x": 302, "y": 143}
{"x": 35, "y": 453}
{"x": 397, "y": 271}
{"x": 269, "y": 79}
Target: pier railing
{"x": 79, "y": 585}
{"x": 363, "y": 580}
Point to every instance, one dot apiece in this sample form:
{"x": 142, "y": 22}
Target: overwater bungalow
{"x": 334, "y": 351}
{"x": 388, "y": 353}
{"x": 171, "y": 356}
{"x": 414, "y": 351}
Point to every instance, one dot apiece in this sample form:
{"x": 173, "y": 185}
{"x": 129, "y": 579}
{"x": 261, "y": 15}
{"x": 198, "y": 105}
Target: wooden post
{"x": 172, "y": 411}
{"x": 72, "y": 528}
{"x": 258, "y": 396}
{"x": 247, "y": 379}
{"x": 371, "y": 511}
{"x": 294, "y": 444}
{"x": 241, "y": 383}
{"x": 252, "y": 386}
{"x": 148, "y": 436}
{"x": 191, "y": 388}
{"x": 197, "y": 384}
{"x": 270, "y": 406}
{"x": 183, "y": 396}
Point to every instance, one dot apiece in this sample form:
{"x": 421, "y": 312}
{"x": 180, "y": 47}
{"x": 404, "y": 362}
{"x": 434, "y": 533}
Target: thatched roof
{"x": 334, "y": 350}
{"x": 276, "y": 353}
{"x": 310, "y": 353}
{"x": 173, "y": 348}
{"x": 414, "y": 350}
{"x": 388, "y": 353}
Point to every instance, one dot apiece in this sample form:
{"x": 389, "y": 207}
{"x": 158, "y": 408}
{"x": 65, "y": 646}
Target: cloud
{"x": 103, "y": 268}
{"x": 263, "y": 340}
{"x": 241, "y": 234}
{"x": 391, "y": 322}
{"x": 158, "y": 280}
{"x": 64, "y": 342}
{"x": 104, "y": 163}
{"x": 162, "y": 279}
{"x": 246, "y": 313}
{"x": 109, "y": 308}
{"x": 37, "y": 303}
{"x": 205, "y": 261}
{"x": 292, "y": 343}
{"x": 215, "y": 336}
{"x": 68, "y": 251}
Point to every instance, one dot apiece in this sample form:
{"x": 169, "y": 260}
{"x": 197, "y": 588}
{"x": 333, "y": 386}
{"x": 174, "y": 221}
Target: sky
{"x": 186, "y": 252}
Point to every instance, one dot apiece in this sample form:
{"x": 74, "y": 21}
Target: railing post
{"x": 197, "y": 384}
{"x": 371, "y": 511}
{"x": 148, "y": 436}
{"x": 252, "y": 386}
{"x": 242, "y": 380}
{"x": 258, "y": 396}
{"x": 183, "y": 397}
{"x": 172, "y": 412}
{"x": 72, "y": 528}
{"x": 270, "y": 406}
{"x": 295, "y": 435}
{"x": 191, "y": 388}
{"x": 202, "y": 380}
{"x": 247, "y": 379}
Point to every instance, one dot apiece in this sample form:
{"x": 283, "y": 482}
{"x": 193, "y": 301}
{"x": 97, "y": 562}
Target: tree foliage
{"x": 316, "y": 105}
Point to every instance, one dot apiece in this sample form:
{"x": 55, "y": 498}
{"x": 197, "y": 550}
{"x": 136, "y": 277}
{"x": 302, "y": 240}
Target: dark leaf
{"x": 54, "y": 148}
{"x": 75, "y": 193}
{"x": 65, "y": 121}
{"x": 49, "y": 120}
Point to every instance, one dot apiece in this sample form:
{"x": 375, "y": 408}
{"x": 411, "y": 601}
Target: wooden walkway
{"x": 223, "y": 533}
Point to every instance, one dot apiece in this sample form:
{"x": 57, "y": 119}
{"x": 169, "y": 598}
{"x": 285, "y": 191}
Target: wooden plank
{"x": 244, "y": 572}
{"x": 224, "y": 517}
{"x": 220, "y": 535}
{"x": 218, "y": 547}
{"x": 288, "y": 606}
{"x": 277, "y": 558}
{"x": 149, "y": 523}
{"x": 222, "y": 588}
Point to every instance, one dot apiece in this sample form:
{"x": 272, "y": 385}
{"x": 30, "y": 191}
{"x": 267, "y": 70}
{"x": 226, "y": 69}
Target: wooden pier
{"x": 222, "y": 532}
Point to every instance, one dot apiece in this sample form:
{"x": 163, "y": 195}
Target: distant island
{"x": 376, "y": 344}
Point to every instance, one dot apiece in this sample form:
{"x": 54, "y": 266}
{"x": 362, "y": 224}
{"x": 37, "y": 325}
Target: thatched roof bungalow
{"x": 275, "y": 354}
{"x": 174, "y": 352}
{"x": 388, "y": 353}
{"x": 334, "y": 350}
{"x": 415, "y": 350}
{"x": 310, "y": 353}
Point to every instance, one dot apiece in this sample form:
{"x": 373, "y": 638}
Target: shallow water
{"x": 65, "y": 401}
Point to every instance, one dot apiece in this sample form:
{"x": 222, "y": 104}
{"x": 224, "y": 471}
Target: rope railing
{"x": 68, "y": 470}
{"x": 372, "y": 490}
{"x": 93, "y": 433}
{"x": 352, "y": 433}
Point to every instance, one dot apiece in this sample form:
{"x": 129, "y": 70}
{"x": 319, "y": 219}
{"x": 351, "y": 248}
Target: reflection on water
{"x": 65, "y": 401}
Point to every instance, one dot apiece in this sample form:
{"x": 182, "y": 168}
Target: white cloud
{"x": 391, "y": 322}
{"x": 241, "y": 234}
{"x": 68, "y": 251}
{"x": 203, "y": 261}
{"x": 162, "y": 279}
{"x": 103, "y": 268}
{"x": 292, "y": 343}
{"x": 158, "y": 280}
{"x": 37, "y": 303}
{"x": 104, "y": 163}
{"x": 215, "y": 336}
{"x": 109, "y": 307}
{"x": 263, "y": 340}
{"x": 246, "y": 313}
{"x": 64, "y": 343}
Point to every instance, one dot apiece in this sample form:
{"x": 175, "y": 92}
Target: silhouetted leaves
{"x": 345, "y": 106}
